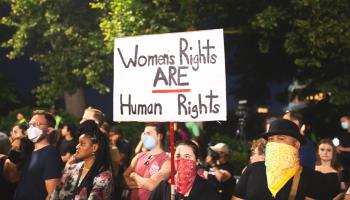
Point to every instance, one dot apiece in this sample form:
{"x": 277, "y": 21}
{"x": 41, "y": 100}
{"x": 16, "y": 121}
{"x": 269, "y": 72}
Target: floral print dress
{"x": 102, "y": 185}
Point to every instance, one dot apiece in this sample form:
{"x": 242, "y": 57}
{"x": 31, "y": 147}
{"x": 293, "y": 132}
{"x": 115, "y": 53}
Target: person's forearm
{"x": 218, "y": 174}
{"x": 130, "y": 183}
{"x": 346, "y": 149}
{"x": 145, "y": 183}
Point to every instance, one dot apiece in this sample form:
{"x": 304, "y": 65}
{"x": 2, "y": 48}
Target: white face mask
{"x": 34, "y": 133}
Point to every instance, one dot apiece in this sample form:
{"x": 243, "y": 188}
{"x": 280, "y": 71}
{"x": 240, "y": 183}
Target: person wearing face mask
{"x": 188, "y": 184}
{"x": 11, "y": 167}
{"x": 343, "y": 149}
{"x": 148, "y": 169}
{"x": 281, "y": 176}
{"x": 42, "y": 171}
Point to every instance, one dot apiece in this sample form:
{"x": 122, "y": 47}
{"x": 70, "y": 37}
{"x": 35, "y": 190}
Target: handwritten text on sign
{"x": 170, "y": 77}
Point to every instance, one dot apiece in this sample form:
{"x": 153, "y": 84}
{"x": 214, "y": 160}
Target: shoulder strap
{"x": 294, "y": 189}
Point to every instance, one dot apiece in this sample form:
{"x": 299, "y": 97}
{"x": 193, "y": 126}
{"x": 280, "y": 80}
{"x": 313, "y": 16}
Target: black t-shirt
{"x": 67, "y": 146}
{"x": 344, "y": 141}
{"x": 225, "y": 188}
{"x": 201, "y": 190}
{"x": 253, "y": 185}
{"x": 43, "y": 164}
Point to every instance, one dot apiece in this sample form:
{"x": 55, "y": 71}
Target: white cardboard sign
{"x": 170, "y": 77}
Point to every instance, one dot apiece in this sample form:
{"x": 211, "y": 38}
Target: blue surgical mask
{"x": 345, "y": 125}
{"x": 149, "y": 142}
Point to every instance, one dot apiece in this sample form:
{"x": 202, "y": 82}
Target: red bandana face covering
{"x": 185, "y": 175}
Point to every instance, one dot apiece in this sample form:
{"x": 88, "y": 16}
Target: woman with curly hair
{"x": 92, "y": 177}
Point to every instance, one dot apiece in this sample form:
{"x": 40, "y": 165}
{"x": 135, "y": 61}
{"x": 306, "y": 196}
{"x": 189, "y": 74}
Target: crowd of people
{"x": 47, "y": 158}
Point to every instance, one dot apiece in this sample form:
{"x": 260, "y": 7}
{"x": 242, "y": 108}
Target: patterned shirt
{"x": 101, "y": 189}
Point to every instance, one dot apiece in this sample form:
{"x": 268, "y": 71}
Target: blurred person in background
{"x": 116, "y": 136}
{"x": 59, "y": 120}
{"x": 257, "y": 150}
{"x": 18, "y": 131}
{"x": 92, "y": 177}
{"x": 68, "y": 144}
{"x": 91, "y": 113}
{"x": 268, "y": 121}
{"x": 343, "y": 149}
{"x": 188, "y": 184}
{"x": 105, "y": 127}
{"x": 181, "y": 132}
{"x": 307, "y": 150}
{"x": 20, "y": 118}
{"x": 328, "y": 164}
{"x": 5, "y": 143}
{"x": 148, "y": 169}
{"x": 220, "y": 172}
{"x": 193, "y": 128}
{"x": 11, "y": 166}
{"x": 117, "y": 139}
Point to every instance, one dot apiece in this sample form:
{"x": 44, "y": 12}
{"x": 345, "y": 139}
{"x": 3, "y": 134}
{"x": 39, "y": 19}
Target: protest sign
{"x": 170, "y": 77}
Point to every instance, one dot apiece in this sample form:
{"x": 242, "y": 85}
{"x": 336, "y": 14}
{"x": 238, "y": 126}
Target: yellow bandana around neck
{"x": 282, "y": 163}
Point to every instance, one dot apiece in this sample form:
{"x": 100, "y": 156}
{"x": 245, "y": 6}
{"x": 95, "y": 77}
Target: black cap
{"x": 284, "y": 127}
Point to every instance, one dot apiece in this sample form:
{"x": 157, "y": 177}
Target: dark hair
{"x": 102, "y": 156}
{"x": 334, "y": 162}
{"x": 191, "y": 144}
{"x": 26, "y": 148}
{"x": 71, "y": 128}
{"x": 160, "y": 128}
{"x": 297, "y": 116}
{"x": 105, "y": 126}
{"x": 48, "y": 116}
{"x": 23, "y": 127}
{"x": 116, "y": 130}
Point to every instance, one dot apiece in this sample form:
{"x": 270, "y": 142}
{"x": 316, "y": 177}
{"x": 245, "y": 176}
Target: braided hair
{"x": 102, "y": 156}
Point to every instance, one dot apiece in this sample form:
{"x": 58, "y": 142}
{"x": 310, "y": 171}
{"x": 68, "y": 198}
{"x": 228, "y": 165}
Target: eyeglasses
{"x": 148, "y": 160}
{"x": 35, "y": 124}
